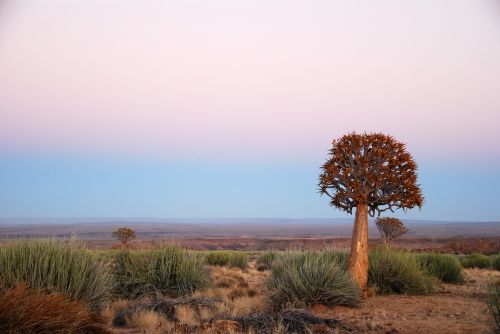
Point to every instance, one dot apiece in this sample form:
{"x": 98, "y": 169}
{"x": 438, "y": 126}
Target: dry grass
{"x": 26, "y": 311}
{"x": 247, "y": 305}
{"x": 150, "y": 322}
{"x": 225, "y": 283}
{"x": 242, "y": 292}
{"x": 185, "y": 315}
{"x": 205, "y": 314}
{"x": 108, "y": 313}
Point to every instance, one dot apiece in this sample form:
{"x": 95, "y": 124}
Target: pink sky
{"x": 231, "y": 79}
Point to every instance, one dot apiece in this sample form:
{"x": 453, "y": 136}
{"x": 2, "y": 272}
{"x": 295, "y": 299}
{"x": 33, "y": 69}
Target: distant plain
{"x": 242, "y": 234}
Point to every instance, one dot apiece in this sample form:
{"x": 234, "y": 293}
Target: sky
{"x": 227, "y": 108}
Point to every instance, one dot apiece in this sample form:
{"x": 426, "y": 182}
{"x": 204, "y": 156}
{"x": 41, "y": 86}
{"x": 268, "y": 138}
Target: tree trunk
{"x": 358, "y": 259}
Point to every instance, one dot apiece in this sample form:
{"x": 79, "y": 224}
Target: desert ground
{"x": 451, "y": 309}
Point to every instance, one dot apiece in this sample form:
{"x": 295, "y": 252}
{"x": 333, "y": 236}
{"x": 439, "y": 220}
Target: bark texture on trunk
{"x": 358, "y": 259}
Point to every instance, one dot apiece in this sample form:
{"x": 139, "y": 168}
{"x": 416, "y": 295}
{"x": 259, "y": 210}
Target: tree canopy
{"x": 390, "y": 228}
{"x": 124, "y": 234}
{"x": 372, "y": 169}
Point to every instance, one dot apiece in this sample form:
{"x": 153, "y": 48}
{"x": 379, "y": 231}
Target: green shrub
{"x": 233, "y": 259}
{"x": 169, "y": 270}
{"x": 475, "y": 260}
{"x": 341, "y": 258}
{"x": 309, "y": 278}
{"x": 495, "y": 262}
{"x": 493, "y": 302}
{"x": 217, "y": 258}
{"x": 55, "y": 265}
{"x": 392, "y": 271}
{"x": 130, "y": 274}
{"x": 442, "y": 266}
{"x": 266, "y": 259}
{"x": 238, "y": 260}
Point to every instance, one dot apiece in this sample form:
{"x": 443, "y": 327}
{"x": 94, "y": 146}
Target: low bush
{"x": 231, "y": 259}
{"x": 28, "y": 311}
{"x": 391, "y": 271}
{"x": 57, "y": 266}
{"x": 495, "y": 262}
{"x": 266, "y": 259}
{"x": 442, "y": 266}
{"x": 493, "y": 302}
{"x": 309, "y": 278}
{"x": 170, "y": 270}
{"x": 475, "y": 260}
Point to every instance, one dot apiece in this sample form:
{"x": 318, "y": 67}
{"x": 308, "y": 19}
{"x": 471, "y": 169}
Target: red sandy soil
{"x": 452, "y": 309}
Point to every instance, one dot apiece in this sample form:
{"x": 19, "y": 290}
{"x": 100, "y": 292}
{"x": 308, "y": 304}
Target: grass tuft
{"x": 495, "y": 262}
{"x": 309, "y": 278}
{"x": 232, "y": 259}
{"x": 266, "y": 259}
{"x": 57, "y": 266}
{"x": 493, "y": 302}
{"x": 169, "y": 270}
{"x": 442, "y": 266}
{"x": 338, "y": 257}
{"x": 395, "y": 272}
{"x": 475, "y": 260}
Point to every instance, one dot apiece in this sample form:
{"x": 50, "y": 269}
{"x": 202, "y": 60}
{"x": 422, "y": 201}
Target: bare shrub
{"x": 124, "y": 235}
{"x": 390, "y": 228}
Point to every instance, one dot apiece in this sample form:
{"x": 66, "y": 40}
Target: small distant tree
{"x": 370, "y": 173}
{"x": 390, "y": 229}
{"x": 124, "y": 235}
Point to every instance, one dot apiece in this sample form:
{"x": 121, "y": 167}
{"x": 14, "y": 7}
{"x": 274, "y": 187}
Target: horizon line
{"x": 240, "y": 218}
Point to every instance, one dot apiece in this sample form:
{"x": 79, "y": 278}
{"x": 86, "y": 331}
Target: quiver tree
{"x": 372, "y": 173}
{"x": 390, "y": 229}
{"x": 124, "y": 235}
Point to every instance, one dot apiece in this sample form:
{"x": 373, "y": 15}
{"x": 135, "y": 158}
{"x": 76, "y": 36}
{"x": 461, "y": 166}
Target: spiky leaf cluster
{"x": 372, "y": 169}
